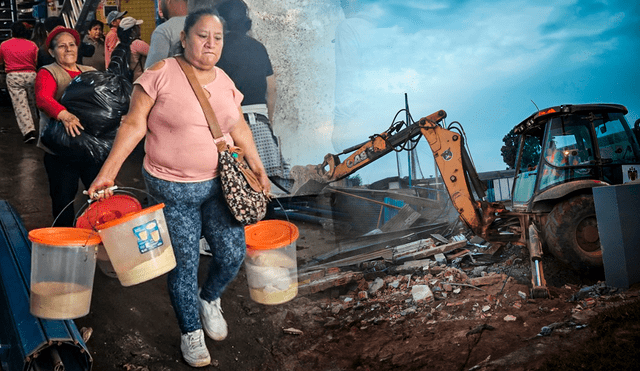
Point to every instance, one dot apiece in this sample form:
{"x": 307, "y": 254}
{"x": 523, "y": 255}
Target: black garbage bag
{"x": 81, "y": 148}
{"x": 98, "y": 99}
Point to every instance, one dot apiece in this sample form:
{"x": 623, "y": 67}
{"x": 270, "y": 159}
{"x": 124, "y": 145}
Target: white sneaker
{"x": 194, "y": 350}
{"x": 213, "y": 323}
{"x": 205, "y": 249}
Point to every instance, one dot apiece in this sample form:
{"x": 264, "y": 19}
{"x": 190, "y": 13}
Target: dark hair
{"x": 19, "y": 30}
{"x": 53, "y": 22}
{"x": 96, "y": 22}
{"x": 39, "y": 34}
{"x": 125, "y": 36}
{"x": 235, "y": 14}
{"x": 194, "y": 17}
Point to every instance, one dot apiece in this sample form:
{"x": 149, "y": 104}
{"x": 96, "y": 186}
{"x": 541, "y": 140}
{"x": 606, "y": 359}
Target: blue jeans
{"x": 193, "y": 210}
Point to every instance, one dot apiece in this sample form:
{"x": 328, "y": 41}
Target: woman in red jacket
{"x": 19, "y": 57}
{"x": 51, "y": 81}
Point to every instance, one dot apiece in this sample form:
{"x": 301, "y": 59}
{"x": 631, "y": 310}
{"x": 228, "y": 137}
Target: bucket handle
{"x": 119, "y": 190}
{"x": 124, "y": 190}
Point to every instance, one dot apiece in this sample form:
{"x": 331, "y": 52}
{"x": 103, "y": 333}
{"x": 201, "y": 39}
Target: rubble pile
{"x": 433, "y": 293}
{"x": 454, "y": 286}
{"x": 383, "y": 314}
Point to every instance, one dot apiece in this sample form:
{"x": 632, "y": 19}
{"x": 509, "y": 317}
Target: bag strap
{"x": 204, "y": 102}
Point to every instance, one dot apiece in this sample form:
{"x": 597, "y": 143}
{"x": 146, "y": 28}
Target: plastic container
{"x": 100, "y": 212}
{"x": 63, "y": 263}
{"x": 138, "y": 245}
{"x": 272, "y": 272}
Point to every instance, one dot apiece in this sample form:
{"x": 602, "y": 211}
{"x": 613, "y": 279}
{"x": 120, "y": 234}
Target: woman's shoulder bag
{"x": 242, "y": 190}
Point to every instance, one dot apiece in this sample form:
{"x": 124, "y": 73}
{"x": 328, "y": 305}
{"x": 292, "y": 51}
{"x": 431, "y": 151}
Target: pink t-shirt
{"x": 139, "y": 47}
{"x": 179, "y": 145}
{"x": 18, "y": 55}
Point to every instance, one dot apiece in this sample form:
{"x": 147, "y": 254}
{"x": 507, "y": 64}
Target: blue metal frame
{"x": 23, "y": 337}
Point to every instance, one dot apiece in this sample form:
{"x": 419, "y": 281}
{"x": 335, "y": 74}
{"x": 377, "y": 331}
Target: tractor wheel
{"x": 571, "y": 233}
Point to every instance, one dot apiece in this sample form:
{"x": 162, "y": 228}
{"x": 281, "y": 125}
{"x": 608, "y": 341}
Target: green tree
{"x": 510, "y": 149}
{"x": 530, "y": 153}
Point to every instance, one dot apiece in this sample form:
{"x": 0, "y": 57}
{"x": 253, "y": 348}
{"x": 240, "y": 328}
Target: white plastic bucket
{"x": 63, "y": 262}
{"x": 138, "y": 245}
{"x": 271, "y": 266}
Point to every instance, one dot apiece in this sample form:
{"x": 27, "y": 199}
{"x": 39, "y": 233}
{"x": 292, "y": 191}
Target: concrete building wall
{"x": 298, "y": 35}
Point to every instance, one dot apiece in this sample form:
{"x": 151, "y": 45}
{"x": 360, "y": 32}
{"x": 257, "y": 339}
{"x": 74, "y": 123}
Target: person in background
{"x": 19, "y": 57}
{"x": 39, "y": 34}
{"x": 129, "y": 54}
{"x": 354, "y": 44}
{"x": 111, "y": 40}
{"x": 181, "y": 170}
{"x": 139, "y": 48}
{"x": 51, "y": 80}
{"x": 247, "y": 63}
{"x": 44, "y": 58}
{"x": 165, "y": 39}
{"x": 95, "y": 37}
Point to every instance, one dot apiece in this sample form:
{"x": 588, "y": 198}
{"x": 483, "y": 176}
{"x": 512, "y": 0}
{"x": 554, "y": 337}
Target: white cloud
{"x": 467, "y": 49}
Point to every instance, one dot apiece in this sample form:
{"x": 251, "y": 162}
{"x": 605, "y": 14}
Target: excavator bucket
{"x": 307, "y": 181}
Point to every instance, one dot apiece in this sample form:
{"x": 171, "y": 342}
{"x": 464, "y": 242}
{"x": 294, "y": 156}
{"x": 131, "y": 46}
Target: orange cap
{"x": 129, "y": 217}
{"x": 270, "y": 234}
{"x": 64, "y": 236}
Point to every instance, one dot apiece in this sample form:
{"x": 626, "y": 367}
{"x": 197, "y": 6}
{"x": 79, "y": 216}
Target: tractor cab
{"x": 569, "y": 148}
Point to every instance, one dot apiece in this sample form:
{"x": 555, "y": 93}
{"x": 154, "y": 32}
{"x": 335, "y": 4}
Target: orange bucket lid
{"x": 102, "y": 211}
{"x": 64, "y": 236}
{"x": 130, "y": 216}
{"x": 270, "y": 234}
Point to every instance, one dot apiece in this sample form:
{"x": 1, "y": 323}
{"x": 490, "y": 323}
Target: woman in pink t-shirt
{"x": 180, "y": 170}
{"x": 19, "y": 56}
{"x": 139, "y": 52}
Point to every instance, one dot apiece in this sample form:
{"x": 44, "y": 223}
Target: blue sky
{"x": 485, "y": 62}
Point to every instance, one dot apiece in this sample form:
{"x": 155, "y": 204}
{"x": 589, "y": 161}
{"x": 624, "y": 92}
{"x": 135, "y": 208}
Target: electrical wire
{"x": 457, "y": 126}
{"x": 396, "y": 127}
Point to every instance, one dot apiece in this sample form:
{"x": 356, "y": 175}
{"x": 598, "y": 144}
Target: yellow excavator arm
{"x": 451, "y": 158}
{"x": 489, "y": 220}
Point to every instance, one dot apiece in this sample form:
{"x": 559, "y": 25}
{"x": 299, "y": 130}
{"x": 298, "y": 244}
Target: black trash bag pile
{"x": 99, "y": 100}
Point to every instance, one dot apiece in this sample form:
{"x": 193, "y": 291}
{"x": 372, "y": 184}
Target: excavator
{"x": 564, "y": 152}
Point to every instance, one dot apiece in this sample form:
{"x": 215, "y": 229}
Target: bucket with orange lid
{"x": 103, "y": 211}
{"x": 63, "y": 263}
{"x": 138, "y": 245}
{"x": 270, "y": 264}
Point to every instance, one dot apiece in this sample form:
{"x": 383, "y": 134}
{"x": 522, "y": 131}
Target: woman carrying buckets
{"x": 180, "y": 170}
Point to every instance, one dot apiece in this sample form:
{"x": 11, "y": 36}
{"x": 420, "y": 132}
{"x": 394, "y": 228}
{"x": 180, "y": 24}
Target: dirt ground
{"x": 361, "y": 325}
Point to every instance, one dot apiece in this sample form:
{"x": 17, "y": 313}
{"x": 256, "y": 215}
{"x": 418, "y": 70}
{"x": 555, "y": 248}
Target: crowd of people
{"x": 180, "y": 166}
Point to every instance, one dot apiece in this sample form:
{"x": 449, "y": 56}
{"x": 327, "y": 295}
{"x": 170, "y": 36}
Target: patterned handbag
{"x": 241, "y": 188}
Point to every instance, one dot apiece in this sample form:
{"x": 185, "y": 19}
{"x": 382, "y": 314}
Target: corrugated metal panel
{"x": 361, "y": 215}
{"x": 390, "y": 212}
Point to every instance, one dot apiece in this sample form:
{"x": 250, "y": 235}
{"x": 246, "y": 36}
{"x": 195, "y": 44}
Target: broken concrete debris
{"x": 376, "y": 285}
{"x": 491, "y": 279}
{"x": 409, "y": 286}
{"x": 292, "y": 331}
{"x": 421, "y": 292}
{"x": 405, "y": 257}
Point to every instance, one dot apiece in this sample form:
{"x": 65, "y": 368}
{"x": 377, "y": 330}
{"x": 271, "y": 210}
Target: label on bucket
{"x": 148, "y": 235}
